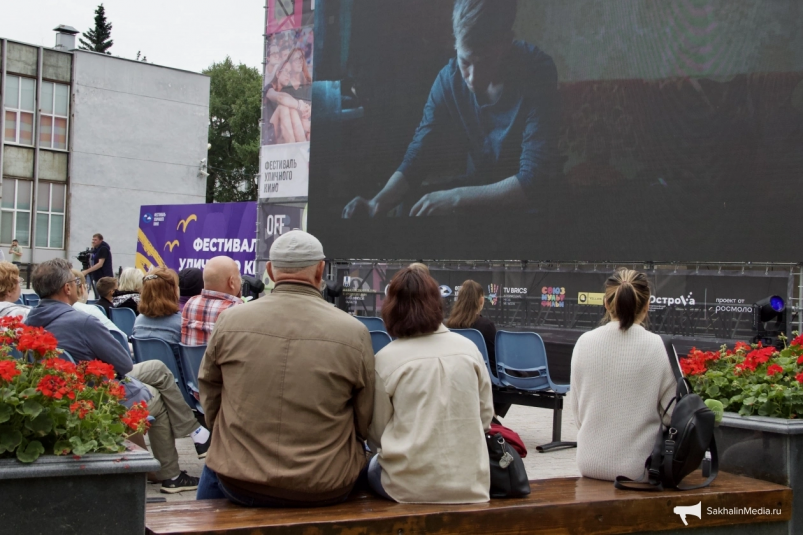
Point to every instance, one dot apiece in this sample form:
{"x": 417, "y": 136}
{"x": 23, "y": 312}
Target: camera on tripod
{"x": 84, "y": 257}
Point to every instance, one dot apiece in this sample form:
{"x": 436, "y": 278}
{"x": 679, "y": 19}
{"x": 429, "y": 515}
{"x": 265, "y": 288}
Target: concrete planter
{"x": 765, "y": 448}
{"x": 93, "y": 494}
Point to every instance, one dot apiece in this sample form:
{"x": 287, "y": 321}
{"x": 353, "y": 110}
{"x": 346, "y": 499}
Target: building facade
{"x": 87, "y": 139}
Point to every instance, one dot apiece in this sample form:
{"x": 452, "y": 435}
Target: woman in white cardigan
{"x": 433, "y": 403}
{"x": 621, "y": 384}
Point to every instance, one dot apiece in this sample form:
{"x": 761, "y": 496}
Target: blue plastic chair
{"x": 92, "y": 302}
{"x": 120, "y": 337}
{"x": 191, "y": 357}
{"x": 102, "y": 310}
{"x": 31, "y": 300}
{"x": 19, "y": 301}
{"x": 373, "y": 324}
{"x": 146, "y": 349}
{"x": 475, "y": 336}
{"x": 379, "y": 339}
{"x": 124, "y": 318}
{"x": 521, "y": 362}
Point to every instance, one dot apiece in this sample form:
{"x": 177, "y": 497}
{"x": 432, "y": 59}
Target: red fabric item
{"x": 511, "y": 437}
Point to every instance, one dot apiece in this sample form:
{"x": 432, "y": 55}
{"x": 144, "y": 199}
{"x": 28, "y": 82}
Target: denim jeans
{"x": 375, "y": 478}
{"x": 210, "y": 488}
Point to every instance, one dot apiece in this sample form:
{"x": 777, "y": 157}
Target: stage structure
{"x": 664, "y": 136}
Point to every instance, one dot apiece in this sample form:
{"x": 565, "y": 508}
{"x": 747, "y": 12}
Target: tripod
{"x": 90, "y": 285}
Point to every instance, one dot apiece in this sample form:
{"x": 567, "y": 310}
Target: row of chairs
{"x": 184, "y": 367}
{"x": 521, "y": 360}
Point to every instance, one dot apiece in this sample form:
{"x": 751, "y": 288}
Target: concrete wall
{"x": 139, "y": 132}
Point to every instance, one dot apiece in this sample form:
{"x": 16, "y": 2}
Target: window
{"x": 50, "y": 201}
{"x": 19, "y": 100}
{"x": 53, "y": 115}
{"x": 15, "y": 211}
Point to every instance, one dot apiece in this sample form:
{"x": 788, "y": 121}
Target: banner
{"x": 187, "y": 235}
{"x": 284, "y": 172}
{"x": 275, "y": 220}
{"x": 697, "y": 304}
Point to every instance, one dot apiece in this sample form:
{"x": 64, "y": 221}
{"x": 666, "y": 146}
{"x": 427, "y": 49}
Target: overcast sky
{"x": 185, "y": 34}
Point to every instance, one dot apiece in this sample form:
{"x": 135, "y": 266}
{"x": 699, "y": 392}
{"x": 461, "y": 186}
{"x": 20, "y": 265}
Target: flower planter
{"x": 765, "y": 448}
{"x": 93, "y": 494}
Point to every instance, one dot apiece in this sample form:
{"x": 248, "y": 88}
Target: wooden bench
{"x": 556, "y": 506}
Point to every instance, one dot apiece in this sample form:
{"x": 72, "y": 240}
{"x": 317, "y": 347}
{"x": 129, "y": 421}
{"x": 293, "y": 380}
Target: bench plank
{"x": 569, "y": 505}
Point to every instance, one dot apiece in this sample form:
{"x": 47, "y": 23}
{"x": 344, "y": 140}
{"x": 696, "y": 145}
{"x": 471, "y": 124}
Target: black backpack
{"x": 680, "y": 448}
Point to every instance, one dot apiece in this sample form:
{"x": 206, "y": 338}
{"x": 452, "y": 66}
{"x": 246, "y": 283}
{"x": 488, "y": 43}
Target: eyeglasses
{"x": 77, "y": 281}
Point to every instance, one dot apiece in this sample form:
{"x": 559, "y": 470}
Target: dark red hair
{"x": 413, "y": 305}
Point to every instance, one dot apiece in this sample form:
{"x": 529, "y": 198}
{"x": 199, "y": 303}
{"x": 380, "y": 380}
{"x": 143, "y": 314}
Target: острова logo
{"x": 694, "y": 510}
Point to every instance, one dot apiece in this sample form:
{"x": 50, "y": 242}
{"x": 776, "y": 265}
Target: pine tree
{"x": 98, "y": 39}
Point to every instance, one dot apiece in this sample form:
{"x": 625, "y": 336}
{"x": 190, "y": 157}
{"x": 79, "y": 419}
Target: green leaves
{"x": 80, "y": 447}
{"x": 30, "y": 408}
{"x": 6, "y": 411}
{"x": 28, "y": 453}
{"x": 9, "y": 440}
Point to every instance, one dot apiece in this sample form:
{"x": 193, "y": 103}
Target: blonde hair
{"x": 467, "y": 308}
{"x": 83, "y": 294}
{"x": 627, "y": 297}
{"x": 9, "y": 278}
{"x": 130, "y": 280}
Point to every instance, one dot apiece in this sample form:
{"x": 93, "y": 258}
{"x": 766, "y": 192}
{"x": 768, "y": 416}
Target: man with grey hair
{"x": 85, "y": 338}
{"x": 497, "y": 95}
{"x": 287, "y": 386}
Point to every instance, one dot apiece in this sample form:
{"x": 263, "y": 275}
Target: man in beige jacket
{"x": 287, "y": 383}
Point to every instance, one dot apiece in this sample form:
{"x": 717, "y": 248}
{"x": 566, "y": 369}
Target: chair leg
{"x": 557, "y": 422}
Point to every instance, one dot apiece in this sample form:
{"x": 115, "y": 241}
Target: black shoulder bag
{"x": 680, "y": 448}
{"x": 508, "y": 476}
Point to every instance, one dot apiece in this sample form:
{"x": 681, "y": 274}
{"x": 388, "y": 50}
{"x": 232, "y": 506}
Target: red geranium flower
{"x": 100, "y": 369}
{"x": 10, "y": 322}
{"x": 136, "y": 416}
{"x": 60, "y": 365}
{"x": 799, "y": 377}
{"x": 116, "y": 390}
{"x": 797, "y": 341}
{"x": 55, "y": 387}
{"x": 741, "y": 346}
{"x": 36, "y": 339}
{"x": 773, "y": 369}
{"x": 82, "y": 407}
{"x": 8, "y": 370}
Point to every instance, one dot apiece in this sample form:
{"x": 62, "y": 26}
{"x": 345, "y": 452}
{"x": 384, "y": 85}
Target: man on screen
{"x": 499, "y": 96}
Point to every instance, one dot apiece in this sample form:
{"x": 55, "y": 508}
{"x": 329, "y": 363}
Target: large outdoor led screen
{"x": 558, "y": 129}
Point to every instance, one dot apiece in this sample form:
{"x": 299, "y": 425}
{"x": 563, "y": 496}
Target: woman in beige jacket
{"x": 432, "y": 403}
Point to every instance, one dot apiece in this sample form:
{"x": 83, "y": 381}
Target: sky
{"x": 184, "y": 34}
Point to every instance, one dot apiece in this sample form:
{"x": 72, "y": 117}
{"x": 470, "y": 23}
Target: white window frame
{"x": 19, "y": 111}
{"x": 16, "y": 210}
{"x": 53, "y": 116}
{"x": 51, "y": 213}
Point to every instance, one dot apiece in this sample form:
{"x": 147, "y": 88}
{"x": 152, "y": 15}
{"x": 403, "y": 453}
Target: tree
{"x": 143, "y": 58}
{"x": 235, "y": 97}
{"x": 98, "y": 39}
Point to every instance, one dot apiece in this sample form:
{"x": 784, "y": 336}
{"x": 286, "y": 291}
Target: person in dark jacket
{"x": 466, "y": 315}
{"x": 105, "y": 289}
{"x": 101, "y": 259}
{"x": 85, "y": 338}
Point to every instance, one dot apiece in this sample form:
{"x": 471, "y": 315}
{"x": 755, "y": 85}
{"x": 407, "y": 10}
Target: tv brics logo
{"x": 493, "y": 292}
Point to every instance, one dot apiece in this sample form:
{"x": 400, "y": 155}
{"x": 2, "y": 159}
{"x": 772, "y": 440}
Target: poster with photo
{"x": 287, "y": 88}
{"x": 289, "y": 15}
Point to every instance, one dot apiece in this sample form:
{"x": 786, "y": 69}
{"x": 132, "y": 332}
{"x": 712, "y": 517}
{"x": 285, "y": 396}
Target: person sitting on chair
{"x": 92, "y": 310}
{"x": 10, "y": 291}
{"x": 84, "y": 338}
{"x": 158, "y": 308}
{"x": 128, "y": 290}
{"x": 105, "y": 288}
{"x": 222, "y": 290}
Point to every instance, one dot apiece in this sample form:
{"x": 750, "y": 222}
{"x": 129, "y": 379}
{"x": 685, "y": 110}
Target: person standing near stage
{"x": 622, "y": 384}
{"x": 101, "y": 259}
{"x": 15, "y": 252}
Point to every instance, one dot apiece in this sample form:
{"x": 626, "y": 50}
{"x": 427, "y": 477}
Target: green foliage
{"x": 98, "y": 39}
{"x": 750, "y": 380}
{"x": 234, "y": 112}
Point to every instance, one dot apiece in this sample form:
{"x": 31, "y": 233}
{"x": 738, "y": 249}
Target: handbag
{"x": 508, "y": 476}
{"x": 510, "y": 436}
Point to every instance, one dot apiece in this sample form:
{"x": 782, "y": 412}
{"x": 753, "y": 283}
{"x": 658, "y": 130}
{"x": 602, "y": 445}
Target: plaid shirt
{"x": 200, "y": 314}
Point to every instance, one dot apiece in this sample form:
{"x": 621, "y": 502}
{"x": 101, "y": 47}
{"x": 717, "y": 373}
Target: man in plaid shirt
{"x": 222, "y": 289}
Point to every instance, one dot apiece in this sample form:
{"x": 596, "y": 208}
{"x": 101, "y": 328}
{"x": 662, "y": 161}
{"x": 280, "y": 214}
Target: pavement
{"x": 532, "y": 424}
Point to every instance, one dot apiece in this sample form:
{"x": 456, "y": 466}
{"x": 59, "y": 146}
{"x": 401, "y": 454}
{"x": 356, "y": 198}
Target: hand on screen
{"x": 359, "y": 207}
{"x": 436, "y": 203}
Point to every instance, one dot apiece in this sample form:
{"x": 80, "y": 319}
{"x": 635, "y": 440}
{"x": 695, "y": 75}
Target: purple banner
{"x": 187, "y": 235}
